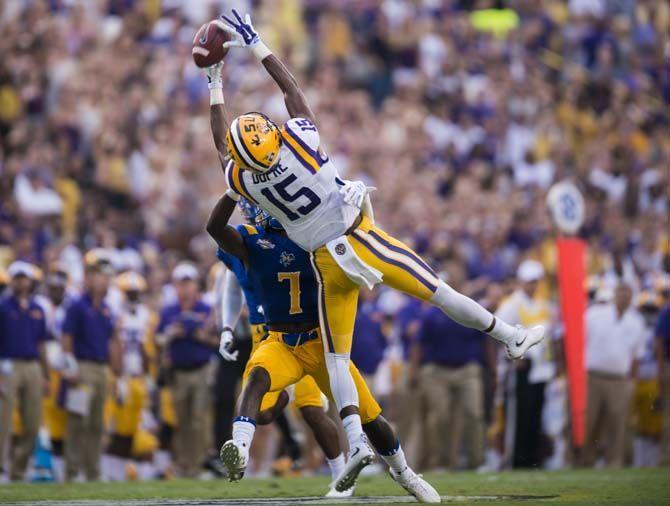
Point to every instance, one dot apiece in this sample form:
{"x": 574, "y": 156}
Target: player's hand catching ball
{"x": 353, "y": 192}
{"x": 244, "y": 35}
{"x": 226, "y": 344}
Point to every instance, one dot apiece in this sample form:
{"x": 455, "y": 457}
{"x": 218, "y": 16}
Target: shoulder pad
{"x": 304, "y": 132}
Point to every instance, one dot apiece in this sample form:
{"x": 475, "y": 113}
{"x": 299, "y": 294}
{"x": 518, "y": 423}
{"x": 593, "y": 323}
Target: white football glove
{"x": 244, "y": 35}
{"x": 214, "y": 79}
{"x": 225, "y": 345}
{"x": 353, "y": 192}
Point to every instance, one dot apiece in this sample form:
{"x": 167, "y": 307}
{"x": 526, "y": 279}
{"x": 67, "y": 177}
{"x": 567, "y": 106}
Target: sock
{"x": 336, "y": 465}
{"x": 106, "y": 467}
{"x": 58, "y": 466}
{"x": 395, "y": 458}
{"x": 470, "y": 314}
{"x": 353, "y": 428}
{"x": 243, "y": 431}
{"x": 146, "y": 471}
{"x": 162, "y": 461}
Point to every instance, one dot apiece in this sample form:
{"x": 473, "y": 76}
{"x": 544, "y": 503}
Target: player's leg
{"x": 270, "y": 369}
{"x": 308, "y": 399}
{"x": 338, "y": 299}
{"x": 406, "y": 271}
{"x": 310, "y": 403}
{"x": 386, "y": 442}
{"x": 382, "y": 436}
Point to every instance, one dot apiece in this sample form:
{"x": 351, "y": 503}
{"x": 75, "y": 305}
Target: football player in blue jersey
{"x": 237, "y": 285}
{"x": 286, "y": 286}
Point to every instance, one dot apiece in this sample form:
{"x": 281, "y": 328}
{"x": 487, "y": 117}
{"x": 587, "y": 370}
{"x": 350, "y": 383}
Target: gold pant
{"x": 55, "y": 417}
{"x": 401, "y": 267}
{"x": 306, "y": 392}
{"x": 287, "y": 365}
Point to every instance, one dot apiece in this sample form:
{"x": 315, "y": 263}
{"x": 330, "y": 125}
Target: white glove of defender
{"x": 353, "y": 192}
{"x": 225, "y": 345}
{"x": 214, "y": 79}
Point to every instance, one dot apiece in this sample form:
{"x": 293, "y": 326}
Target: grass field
{"x": 629, "y": 486}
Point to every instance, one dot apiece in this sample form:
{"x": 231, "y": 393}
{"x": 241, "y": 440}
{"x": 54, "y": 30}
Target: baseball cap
{"x": 530, "y": 270}
{"x": 99, "y": 259}
{"x": 184, "y": 271}
{"x": 21, "y": 268}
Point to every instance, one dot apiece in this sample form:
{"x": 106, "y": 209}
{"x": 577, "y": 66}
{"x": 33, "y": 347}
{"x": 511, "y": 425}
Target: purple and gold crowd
{"x": 462, "y": 113}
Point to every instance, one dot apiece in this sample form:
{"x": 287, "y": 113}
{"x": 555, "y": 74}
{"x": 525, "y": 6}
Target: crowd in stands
{"x": 462, "y": 114}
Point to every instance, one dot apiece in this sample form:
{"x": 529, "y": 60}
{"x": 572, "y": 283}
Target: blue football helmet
{"x": 254, "y": 215}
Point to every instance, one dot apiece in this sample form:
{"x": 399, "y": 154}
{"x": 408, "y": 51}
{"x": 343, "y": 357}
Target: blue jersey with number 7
{"x": 281, "y": 275}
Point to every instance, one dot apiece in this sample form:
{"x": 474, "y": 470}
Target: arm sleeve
{"x": 231, "y": 301}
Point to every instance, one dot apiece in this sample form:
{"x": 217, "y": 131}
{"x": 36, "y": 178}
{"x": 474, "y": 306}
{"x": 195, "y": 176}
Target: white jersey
{"x": 302, "y": 192}
{"x": 134, "y": 326}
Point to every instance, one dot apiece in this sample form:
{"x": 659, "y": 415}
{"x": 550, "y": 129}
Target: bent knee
{"x": 259, "y": 379}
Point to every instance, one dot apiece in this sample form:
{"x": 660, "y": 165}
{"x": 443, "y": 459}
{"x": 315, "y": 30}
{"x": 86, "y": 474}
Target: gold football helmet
{"x": 253, "y": 142}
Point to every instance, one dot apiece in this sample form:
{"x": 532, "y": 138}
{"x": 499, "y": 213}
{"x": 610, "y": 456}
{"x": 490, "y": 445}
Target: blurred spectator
{"x": 526, "y": 384}
{"x": 24, "y": 373}
{"x": 104, "y": 137}
{"x": 89, "y": 347}
{"x": 367, "y": 350}
{"x": 614, "y": 344}
{"x": 662, "y": 333}
{"x": 186, "y": 328}
{"x": 56, "y": 300}
{"x": 446, "y": 360}
{"x": 647, "y": 417}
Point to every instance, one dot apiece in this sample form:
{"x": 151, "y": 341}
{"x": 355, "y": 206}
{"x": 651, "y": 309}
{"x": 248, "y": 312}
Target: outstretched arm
{"x": 219, "y": 120}
{"x": 244, "y": 35}
{"x": 227, "y": 237}
{"x": 294, "y": 98}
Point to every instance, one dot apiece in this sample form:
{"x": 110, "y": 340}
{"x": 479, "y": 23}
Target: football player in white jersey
{"x": 286, "y": 172}
{"x": 136, "y": 324}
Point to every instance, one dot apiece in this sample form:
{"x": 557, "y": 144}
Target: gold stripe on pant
{"x": 23, "y": 387}
{"x": 83, "y": 434}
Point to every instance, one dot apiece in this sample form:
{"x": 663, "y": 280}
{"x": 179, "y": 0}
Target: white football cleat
{"x": 416, "y": 485}
{"x": 234, "y": 459}
{"x": 523, "y": 339}
{"x": 360, "y": 455}
{"x": 334, "y": 494}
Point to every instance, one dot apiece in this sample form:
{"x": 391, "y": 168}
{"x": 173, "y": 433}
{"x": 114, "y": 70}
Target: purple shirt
{"x": 21, "y": 330}
{"x": 369, "y": 344}
{"x": 447, "y": 343}
{"x": 185, "y": 351}
{"x": 662, "y": 331}
{"x": 91, "y": 328}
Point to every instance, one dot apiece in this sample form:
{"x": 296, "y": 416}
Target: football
{"x": 208, "y": 45}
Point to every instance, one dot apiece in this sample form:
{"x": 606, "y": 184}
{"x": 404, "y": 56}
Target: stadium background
{"x": 461, "y": 122}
